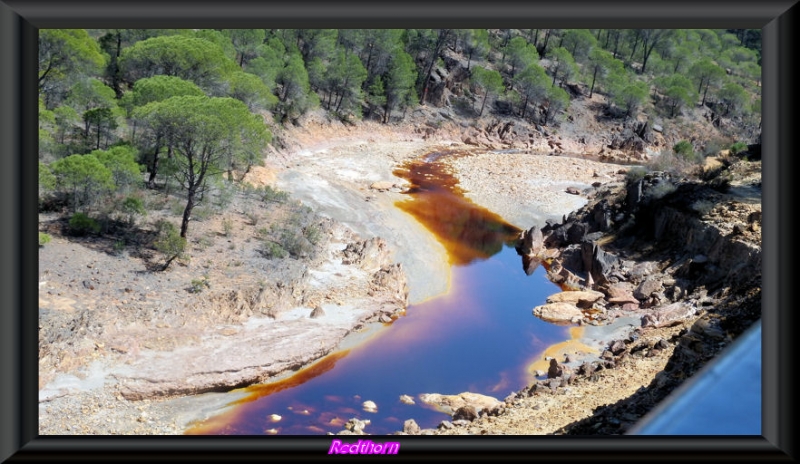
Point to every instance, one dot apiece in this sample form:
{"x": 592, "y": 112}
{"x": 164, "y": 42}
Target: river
{"x": 480, "y": 336}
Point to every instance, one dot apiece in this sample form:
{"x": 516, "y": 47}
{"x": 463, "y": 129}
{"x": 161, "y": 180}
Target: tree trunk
{"x": 98, "y": 135}
{"x": 635, "y": 46}
{"x": 439, "y": 43}
{"x": 485, "y": 95}
{"x": 594, "y": 78}
{"x": 169, "y": 261}
{"x": 151, "y": 181}
{"x": 187, "y": 212}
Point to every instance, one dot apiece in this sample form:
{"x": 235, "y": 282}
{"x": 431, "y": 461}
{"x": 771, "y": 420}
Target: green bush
{"x": 198, "y": 285}
{"x": 738, "y": 147}
{"x": 169, "y": 242}
{"x": 119, "y": 247}
{"x": 82, "y": 224}
{"x": 43, "y": 239}
{"x": 661, "y": 190}
{"x": 635, "y": 174}
{"x": 683, "y": 148}
{"x": 227, "y": 226}
{"x": 272, "y": 195}
{"x": 272, "y": 250}
{"x": 133, "y": 206}
{"x": 313, "y": 233}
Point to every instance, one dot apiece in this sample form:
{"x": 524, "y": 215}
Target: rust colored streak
{"x": 218, "y": 424}
{"x": 468, "y": 231}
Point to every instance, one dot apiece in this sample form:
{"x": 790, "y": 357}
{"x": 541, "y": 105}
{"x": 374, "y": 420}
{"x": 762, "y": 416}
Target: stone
{"x": 356, "y": 426}
{"x": 580, "y": 298}
{"x": 647, "y": 288}
{"x": 573, "y": 191}
{"x": 410, "y": 427}
{"x": 317, "y": 312}
{"x": 616, "y": 347}
{"x": 369, "y": 406}
{"x": 558, "y": 312}
{"x": 406, "y": 399}
{"x": 468, "y": 413}
{"x": 668, "y": 315}
{"x": 450, "y": 403}
{"x": 554, "y": 370}
{"x": 531, "y": 242}
{"x": 381, "y": 186}
{"x": 445, "y": 425}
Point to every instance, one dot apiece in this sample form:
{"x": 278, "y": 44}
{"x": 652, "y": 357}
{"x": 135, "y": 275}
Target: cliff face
{"x": 659, "y": 240}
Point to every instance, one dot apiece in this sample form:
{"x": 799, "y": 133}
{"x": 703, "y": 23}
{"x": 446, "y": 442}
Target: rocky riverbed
{"x": 123, "y": 360}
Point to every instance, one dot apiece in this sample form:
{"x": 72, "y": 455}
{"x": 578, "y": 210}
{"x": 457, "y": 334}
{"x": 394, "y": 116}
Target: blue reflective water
{"x": 479, "y": 338}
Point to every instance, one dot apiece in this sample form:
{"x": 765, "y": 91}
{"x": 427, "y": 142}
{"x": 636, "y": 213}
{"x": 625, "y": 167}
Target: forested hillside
{"x": 179, "y": 110}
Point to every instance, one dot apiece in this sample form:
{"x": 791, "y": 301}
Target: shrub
{"x": 683, "y": 148}
{"x": 661, "y": 190}
{"x": 82, "y": 224}
{"x": 43, "y": 239}
{"x": 313, "y": 233}
{"x": 273, "y": 250}
{"x": 702, "y": 207}
{"x": 738, "y": 147}
{"x": 272, "y": 195}
{"x": 118, "y": 247}
{"x": 133, "y": 206}
{"x": 169, "y": 242}
{"x": 635, "y": 174}
{"x": 198, "y": 285}
{"x": 227, "y": 226}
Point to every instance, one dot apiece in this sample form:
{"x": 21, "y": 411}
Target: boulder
{"x": 668, "y": 315}
{"x": 381, "y": 186}
{"x": 468, "y": 413}
{"x": 449, "y": 404}
{"x": 369, "y": 406}
{"x": 648, "y": 287}
{"x": 558, "y": 312}
{"x": 580, "y": 298}
{"x": 531, "y": 242}
{"x": 410, "y": 427}
{"x": 317, "y": 313}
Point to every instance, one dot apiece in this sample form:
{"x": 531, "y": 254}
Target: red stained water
{"x": 479, "y": 337}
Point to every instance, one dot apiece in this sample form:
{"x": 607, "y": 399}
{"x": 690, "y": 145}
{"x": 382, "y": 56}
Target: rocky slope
{"x": 680, "y": 258}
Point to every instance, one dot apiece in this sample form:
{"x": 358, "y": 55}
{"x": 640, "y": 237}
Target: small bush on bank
{"x": 738, "y": 147}
{"x": 82, "y": 224}
{"x": 661, "y": 190}
{"x": 44, "y": 239}
{"x": 169, "y": 242}
{"x": 635, "y": 174}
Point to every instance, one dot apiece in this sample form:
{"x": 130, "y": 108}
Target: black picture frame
{"x": 19, "y": 21}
